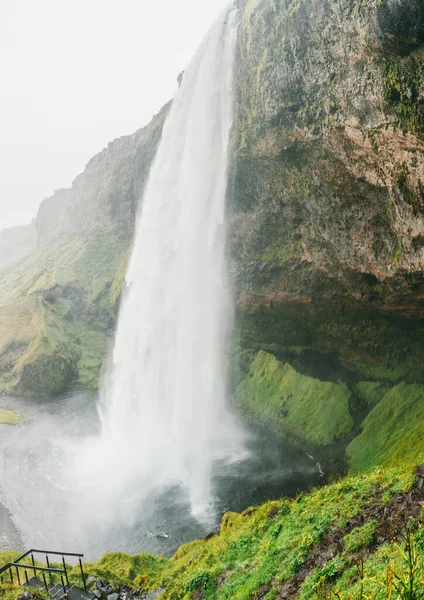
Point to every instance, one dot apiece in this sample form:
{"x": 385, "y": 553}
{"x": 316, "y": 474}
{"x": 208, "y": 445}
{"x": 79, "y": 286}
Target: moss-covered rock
{"x": 326, "y": 202}
{"x": 296, "y": 405}
{"x": 49, "y": 373}
{"x": 392, "y": 431}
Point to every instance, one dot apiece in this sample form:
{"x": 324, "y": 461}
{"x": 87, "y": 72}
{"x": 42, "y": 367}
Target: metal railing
{"x": 18, "y": 566}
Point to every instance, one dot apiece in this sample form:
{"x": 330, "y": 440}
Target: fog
{"x": 77, "y": 74}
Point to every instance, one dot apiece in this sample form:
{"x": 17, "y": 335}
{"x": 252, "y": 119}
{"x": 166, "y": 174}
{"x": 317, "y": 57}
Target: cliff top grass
{"x": 310, "y": 547}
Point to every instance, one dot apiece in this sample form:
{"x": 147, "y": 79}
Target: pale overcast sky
{"x": 76, "y": 74}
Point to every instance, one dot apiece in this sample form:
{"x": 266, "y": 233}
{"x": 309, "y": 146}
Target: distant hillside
{"x": 17, "y": 242}
{"x": 58, "y": 304}
{"x": 107, "y": 193}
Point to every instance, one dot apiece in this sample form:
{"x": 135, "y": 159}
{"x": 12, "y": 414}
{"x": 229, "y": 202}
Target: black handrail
{"x": 55, "y": 553}
{"x": 33, "y": 551}
{"x": 32, "y": 567}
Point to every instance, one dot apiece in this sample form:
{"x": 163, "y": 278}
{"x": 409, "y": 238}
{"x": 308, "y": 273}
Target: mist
{"x": 76, "y": 75}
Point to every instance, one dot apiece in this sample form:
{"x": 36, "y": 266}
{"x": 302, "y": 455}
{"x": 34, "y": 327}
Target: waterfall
{"x": 164, "y": 413}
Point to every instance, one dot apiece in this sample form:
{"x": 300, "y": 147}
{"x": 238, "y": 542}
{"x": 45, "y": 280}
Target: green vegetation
{"x": 392, "y": 431}
{"x": 294, "y": 404}
{"x": 360, "y": 538}
{"x": 58, "y": 309}
{"x": 8, "y": 417}
{"x": 404, "y": 78}
{"x": 317, "y": 545}
{"x": 371, "y": 391}
{"x": 140, "y": 571}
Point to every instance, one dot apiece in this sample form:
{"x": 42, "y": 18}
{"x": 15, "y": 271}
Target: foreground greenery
{"x": 360, "y": 537}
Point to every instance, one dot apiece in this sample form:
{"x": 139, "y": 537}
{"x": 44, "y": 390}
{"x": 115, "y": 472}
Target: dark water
{"x": 37, "y": 510}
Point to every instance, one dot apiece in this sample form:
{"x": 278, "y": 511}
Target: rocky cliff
{"x": 327, "y": 234}
{"x": 107, "y": 193}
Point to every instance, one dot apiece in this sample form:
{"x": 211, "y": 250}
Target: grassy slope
{"x": 310, "y": 545}
{"x": 317, "y": 412}
{"x": 392, "y": 431}
{"x": 59, "y": 306}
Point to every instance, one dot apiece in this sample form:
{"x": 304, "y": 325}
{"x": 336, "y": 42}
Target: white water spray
{"x": 164, "y": 412}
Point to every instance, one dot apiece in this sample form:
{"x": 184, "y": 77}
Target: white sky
{"x": 74, "y": 75}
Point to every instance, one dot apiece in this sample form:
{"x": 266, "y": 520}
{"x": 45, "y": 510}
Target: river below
{"x": 40, "y": 508}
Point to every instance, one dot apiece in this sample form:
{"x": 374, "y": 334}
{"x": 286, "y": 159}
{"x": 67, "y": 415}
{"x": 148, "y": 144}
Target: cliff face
{"x": 107, "y": 192}
{"x": 58, "y": 306}
{"x": 327, "y": 237}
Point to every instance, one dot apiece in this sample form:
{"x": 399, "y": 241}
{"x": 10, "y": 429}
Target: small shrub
{"x": 361, "y": 537}
{"x": 200, "y": 581}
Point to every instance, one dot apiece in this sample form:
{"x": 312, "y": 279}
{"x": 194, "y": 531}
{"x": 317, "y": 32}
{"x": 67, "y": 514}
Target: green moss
{"x": 402, "y": 182}
{"x": 116, "y": 287}
{"x": 294, "y": 404}
{"x": 404, "y": 77}
{"x": 392, "y": 432}
{"x": 141, "y": 571}
{"x": 397, "y": 256}
{"x": 371, "y": 391}
{"x": 62, "y": 331}
{"x": 8, "y": 417}
{"x": 101, "y": 259}
{"x": 93, "y": 346}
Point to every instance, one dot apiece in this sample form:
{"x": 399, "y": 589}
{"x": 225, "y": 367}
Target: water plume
{"x": 164, "y": 413}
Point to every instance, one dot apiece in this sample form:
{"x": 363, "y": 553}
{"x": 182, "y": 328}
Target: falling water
{"x": 164, "y": 410}
{"x": 166, "y": 432}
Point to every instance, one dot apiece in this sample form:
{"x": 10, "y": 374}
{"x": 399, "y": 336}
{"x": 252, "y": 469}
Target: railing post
{"x": 66, "y": 572}
{"x": 33, "y": 564}
{"x": 82, "y": 574}
{"x": 11, "y": 576}
{"x": 48, "y": 566}
{"x": 45, "y": 582}
{"x": 26, "y": 577}
{"x": 17, "y": 575}
{"x": 63, "y": 584}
